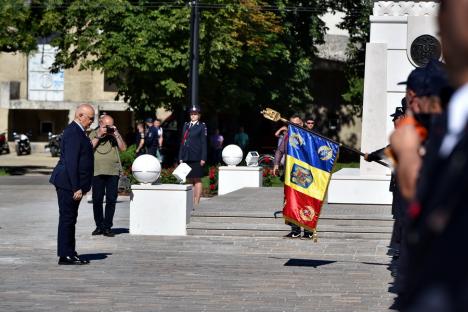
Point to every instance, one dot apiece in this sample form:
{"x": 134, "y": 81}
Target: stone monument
{"x": 403, "y": 36}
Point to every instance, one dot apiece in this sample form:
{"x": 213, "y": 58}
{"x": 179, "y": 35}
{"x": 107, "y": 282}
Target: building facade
{"x": 32, "y": 100}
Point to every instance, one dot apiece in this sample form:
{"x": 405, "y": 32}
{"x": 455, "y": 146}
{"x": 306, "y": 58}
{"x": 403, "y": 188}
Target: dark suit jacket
{"x": 437, "y": 236}
{"x": 193, "y": 146}
{"x": 74, "y": 171}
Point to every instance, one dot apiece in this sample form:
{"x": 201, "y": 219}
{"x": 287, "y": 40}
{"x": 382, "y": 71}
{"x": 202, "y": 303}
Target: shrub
{"x": 268, "y": 177}
{"x": 213, "y": 175}
{"x": 166, "y": 177}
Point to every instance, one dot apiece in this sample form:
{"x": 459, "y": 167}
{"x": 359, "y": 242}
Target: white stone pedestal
{"x": 348, "y": 186}
{"x": 162, "y": 209}
{"x": 231, "y": 179}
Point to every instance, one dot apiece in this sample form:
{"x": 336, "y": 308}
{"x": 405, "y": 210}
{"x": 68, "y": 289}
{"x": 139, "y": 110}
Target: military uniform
{"x": 439, "y": 220}
{"x": 193, "y": 147}
{"x": 151, "y": 141}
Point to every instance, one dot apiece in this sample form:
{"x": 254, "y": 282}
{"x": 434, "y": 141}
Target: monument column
{"x": 403, "y": 36}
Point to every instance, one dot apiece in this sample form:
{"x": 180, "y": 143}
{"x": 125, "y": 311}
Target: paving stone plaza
{"x": 214, "y": 268}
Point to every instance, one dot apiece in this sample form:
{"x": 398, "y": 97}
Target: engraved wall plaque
{"x": 424, "y": 48}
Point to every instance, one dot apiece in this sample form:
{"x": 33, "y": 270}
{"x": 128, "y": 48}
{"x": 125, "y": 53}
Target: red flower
{"x": 212, "y": 175}
{"x": 212, "y": 187}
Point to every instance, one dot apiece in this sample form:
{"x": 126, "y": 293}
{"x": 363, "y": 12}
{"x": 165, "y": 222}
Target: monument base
{"x": 162, "y": 209}
{"x": 234, "y": 178}
{"x": 348, "y": 186}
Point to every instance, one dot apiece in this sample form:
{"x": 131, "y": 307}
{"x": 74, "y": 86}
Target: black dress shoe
{"x": 97, "y": 231}
{"x": 108, "y": 233}
{"x": 293, "y": 235}
{"x": 72, "y": 260}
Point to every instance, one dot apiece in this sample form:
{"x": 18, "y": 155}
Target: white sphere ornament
{"x": 146, "y": 168}
{"x": 232, "y": 155}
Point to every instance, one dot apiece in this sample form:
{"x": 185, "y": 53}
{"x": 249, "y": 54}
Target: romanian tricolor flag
{"x": 309, "y": 163}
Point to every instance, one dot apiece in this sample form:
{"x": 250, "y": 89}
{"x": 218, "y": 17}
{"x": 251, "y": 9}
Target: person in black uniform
{"x": 72, "y": 179}
{"x": 140, "y": 139}
{"x": 151, "y": 138}
{"x": 438, "y": 274}
{"x": 397, "y": 204}
{"x": 193, "y": 150}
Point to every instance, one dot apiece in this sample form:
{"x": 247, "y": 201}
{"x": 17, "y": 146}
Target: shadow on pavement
{"x": 118, "y": 231}
{"x": 22, "y": 170}
{"x": 95, "y": 256}
{"x": 307, "y": 262}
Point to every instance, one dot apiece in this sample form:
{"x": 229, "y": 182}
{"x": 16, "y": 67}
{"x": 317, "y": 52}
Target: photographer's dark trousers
{"x": 104, "y": 185}
{"x": 68, "y": 213}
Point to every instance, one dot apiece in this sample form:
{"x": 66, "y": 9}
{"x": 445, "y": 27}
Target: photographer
{"x": 107, "y": 142}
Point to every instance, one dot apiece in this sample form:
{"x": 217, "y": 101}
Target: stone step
{"x": 279, "y": 234}
{"x": 356, "y": 214}
{"x": 250, "y": 213}
{"x": 282, "y": 226}
{"x": 337, "y": 221}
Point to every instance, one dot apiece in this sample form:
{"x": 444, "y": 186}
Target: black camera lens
{"x": 110, "y": 129}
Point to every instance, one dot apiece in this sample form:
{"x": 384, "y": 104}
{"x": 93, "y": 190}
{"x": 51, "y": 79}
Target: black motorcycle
{"x": 54, "y": 144}
{"x": 4, "y": 144}
{"x": 22, "y": 144}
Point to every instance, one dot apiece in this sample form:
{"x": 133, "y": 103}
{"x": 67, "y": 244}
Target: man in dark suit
{"x": 72, "y": 179}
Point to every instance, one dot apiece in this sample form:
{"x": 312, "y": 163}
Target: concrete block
{"x": 393, "y": 34}
{"x": 374, "y": 114}
{"x": 162, "y": 209}
{"x": 348, "y": 186}
{"x": 398, "y": 69}
{"x": 235, "y": 178}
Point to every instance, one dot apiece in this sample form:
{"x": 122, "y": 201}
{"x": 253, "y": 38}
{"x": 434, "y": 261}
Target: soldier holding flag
{"x": 309, "y": 161}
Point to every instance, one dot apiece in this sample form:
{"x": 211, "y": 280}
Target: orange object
{"x": 410, "y": 120}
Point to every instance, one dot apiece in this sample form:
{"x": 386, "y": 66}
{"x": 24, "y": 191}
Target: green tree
{"x": 357, "y": 22}
{"x": 18, "y": 29}
{"x": 253, "y": 53}
{"x": 143, "y": 47}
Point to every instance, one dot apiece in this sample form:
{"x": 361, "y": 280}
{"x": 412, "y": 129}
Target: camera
{"x": 110, "y": 129}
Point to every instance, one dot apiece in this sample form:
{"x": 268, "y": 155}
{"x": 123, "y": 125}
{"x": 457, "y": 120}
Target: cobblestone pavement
{"x": 154, "y": 273}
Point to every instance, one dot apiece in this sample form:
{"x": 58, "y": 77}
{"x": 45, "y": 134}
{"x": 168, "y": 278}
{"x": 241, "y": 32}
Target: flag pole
{"x": 273, "y": 115}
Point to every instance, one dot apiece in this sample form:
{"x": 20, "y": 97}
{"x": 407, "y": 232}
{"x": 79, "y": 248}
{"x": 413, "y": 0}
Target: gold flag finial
{"x": 271, "y": 114}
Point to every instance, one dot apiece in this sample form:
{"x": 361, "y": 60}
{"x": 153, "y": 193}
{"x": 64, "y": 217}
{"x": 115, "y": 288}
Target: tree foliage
{"x": 18, "y": 29}
{"x": 253, "y": 53}
{"x": 357, "y": 23}
{"x": 250, "y": 55}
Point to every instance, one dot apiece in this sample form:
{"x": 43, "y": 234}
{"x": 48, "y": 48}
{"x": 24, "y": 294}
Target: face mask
{"x": 424, "y": 119}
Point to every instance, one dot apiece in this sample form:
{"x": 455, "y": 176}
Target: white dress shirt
{"x": 79, "y": 125}
{"x": 457, "y": 120}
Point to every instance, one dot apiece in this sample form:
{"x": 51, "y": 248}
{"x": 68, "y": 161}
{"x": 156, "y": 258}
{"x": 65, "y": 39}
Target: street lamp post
{"x": 194, "y": 53}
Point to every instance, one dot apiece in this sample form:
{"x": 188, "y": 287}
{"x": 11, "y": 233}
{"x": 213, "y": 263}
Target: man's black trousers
{"x": 104, "y": 185}
{"x": 68, "y": 213}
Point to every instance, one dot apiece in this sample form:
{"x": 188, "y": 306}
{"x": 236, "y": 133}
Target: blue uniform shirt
{"x": 151, "y": 137}
{"x": 193, "y": 146}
